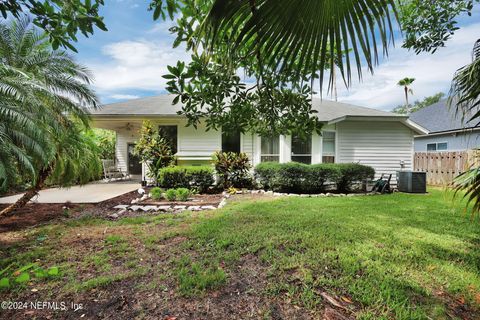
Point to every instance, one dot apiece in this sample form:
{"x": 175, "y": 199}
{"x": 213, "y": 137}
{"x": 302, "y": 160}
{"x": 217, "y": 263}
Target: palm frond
{"x": 299, "y": 35}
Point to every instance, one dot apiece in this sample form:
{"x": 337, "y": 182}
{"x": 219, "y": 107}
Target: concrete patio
{"x": 90, "y": 193}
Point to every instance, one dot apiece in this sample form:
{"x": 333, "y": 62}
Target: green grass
{"x": 389, "y": 253}
{"x": 396, "y": 256}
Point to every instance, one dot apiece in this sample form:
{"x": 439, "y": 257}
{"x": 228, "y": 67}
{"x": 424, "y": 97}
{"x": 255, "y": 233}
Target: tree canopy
{"x": 419, "y": 104}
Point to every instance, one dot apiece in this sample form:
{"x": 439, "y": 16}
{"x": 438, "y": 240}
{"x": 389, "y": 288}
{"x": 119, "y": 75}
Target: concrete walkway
{"x": 90, "y": 193}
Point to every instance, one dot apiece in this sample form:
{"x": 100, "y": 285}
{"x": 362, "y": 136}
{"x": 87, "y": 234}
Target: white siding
{"x": 198, "y": 143}
{"x": 247, "y": 145}
{"x": 382, "y": 145}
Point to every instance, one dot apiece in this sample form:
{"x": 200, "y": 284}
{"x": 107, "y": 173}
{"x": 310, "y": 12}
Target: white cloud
{"x": 135, "y": 65}
{"x": 124, "y": 96}
{"x": 433, "y": 72}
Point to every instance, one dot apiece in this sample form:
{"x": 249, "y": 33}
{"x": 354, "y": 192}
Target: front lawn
{"x": 383, "y": 257}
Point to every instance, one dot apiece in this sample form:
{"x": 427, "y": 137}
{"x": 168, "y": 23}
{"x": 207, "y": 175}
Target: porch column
{"x": 285, "y": 149}
{"x": 316, "y": 148}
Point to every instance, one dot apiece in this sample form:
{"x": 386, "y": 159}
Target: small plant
{"x": 156, "y": 193}
{"x": 24, "y": 275}
{"x": 183, "y": 194}
{"x": 233, "y": 169}
{"x": 232, "y": 190}
{"x": 171, "y": 194}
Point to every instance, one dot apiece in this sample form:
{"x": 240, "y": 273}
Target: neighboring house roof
{"x": 439, "y": 117}
{"x": 161, "y": 106}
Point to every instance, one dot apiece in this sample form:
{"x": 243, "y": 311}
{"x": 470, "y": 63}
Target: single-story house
{"x": 351, "y": 133}
{"x": 447, "y": 131}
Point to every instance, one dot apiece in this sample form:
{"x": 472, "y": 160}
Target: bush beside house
{"x": 200, "y": 177}
{"x": 302, "y": 178}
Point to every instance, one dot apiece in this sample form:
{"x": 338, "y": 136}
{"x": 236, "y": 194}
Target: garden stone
{"x": 194, "y": 208}
{"x": 351, "y": 195}
{"x": 121, "y": 206}
{"x": 149, "y": 208}
{"x": 322, "y": 195}
{"x": 277, "y": 194}
{"x": 226, "y": 196}
{"x": 114, "y": 216}
{"x": 341, "y": 194}
{"x": 163, "y": 208}
{"x": 179, "y": 207}
{"x": 328, "y": 194}
{"x": 121, "y": 212}
{"x": 305, "y": 195}
{"x": 270, "y": 193}
{"x": 209, "y": 207}
{"x": 144, "y": 197}
{"x": 222, "y": 203}
{"x": 134, "y": 201}
{"x": 135, "y": 208}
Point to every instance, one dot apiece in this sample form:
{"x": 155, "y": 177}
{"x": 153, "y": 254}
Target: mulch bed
{"x": 34, "y": 214}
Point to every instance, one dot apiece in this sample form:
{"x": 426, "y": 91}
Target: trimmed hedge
{"x": 301, "y": 178}
{"x": 198, "y": 177}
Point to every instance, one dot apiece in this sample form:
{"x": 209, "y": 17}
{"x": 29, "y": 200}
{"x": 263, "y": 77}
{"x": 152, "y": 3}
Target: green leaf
{"x": 23, "y": 277}
{"x": 53, "y": 271}
{"x": 4, "y": 283}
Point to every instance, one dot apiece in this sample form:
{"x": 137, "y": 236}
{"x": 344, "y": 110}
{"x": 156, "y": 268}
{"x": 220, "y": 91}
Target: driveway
{"x": 90, "y": 193}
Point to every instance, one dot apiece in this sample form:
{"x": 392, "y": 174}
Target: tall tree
{"x": 44, "y": 96}
{"x": 60, "y": 19}
{"x": 406, "y": 83}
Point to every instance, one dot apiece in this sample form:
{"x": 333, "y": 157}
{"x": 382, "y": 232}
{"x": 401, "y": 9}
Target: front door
{"x": 134, "y": 164}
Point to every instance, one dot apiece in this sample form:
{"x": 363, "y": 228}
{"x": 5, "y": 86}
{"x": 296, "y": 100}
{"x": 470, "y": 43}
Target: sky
{"x": 129, "y": 60}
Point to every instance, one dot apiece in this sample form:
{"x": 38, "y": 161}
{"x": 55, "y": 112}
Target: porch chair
{"x": 111, "y": 171}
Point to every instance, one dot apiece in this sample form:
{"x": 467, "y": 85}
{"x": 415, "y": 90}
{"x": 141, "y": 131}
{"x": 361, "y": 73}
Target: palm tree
{"x": 283, "y": 32}
{"x": 406, "y": 83}
{"x": 465, "y": 97}
{"x": 44, "y": 98}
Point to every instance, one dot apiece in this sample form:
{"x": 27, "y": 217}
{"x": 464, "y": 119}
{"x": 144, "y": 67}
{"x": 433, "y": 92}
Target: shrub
{"x": 171, "y": 194}
{"x": 183, "y": 194}
{"x": 156, "y": 193}
{"x": 291, "y": 177}
{"x": 321, "y": 173}
{"x": 233, "y": 169}
{"x": 200, "y": 177}
{"x": 301, "y": 178}
{"x": 352, "y": 172}
{"x": 265, "y": 172}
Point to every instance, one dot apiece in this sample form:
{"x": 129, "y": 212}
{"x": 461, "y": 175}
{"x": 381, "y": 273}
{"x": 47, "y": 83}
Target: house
{"x": 372, "y": 137}
{"x": 447, "y": 130}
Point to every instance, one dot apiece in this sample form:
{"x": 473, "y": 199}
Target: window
{"x": 270, "y": 149}
{"x": 441, "y": 146}
{"x": 302, "y": 149}
{"x": 169, "y": 133}
{"x": 231, "y": 141}
{"x": 328, "y": 152}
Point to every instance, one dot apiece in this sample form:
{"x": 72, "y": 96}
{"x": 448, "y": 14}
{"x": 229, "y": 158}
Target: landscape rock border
{"x": 135, "y": 206}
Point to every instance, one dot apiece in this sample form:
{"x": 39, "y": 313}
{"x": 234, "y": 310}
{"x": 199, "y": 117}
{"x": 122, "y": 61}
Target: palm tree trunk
{"x": 406, "y": 99}
{"x": 33, "y": 191}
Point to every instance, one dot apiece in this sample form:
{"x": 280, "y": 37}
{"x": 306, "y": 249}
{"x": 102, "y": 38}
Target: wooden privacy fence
{"x": 442, "y": 167}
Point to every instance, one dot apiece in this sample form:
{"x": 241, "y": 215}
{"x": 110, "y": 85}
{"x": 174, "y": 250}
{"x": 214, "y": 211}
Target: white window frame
{"x": 270, "y": 154}
{"x": 303, "y": 154}
{"x": 329, "y": 154}
{"x": 436, "y": 146}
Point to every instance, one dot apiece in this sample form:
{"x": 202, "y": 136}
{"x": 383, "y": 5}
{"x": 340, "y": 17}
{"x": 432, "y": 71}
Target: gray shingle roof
{"x": 439, "y": 117}
{"x": 162, "y": 106}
